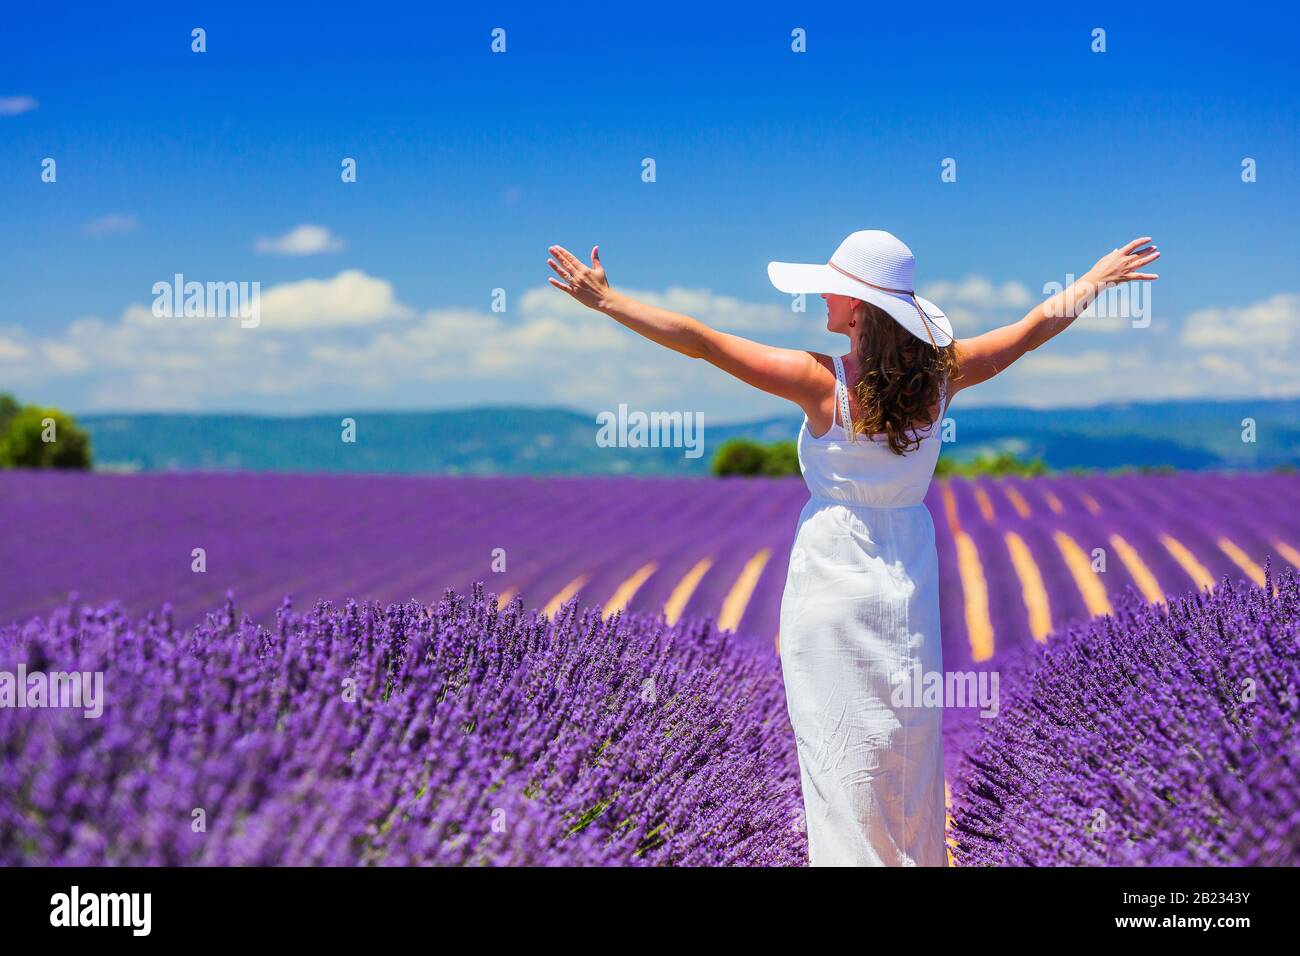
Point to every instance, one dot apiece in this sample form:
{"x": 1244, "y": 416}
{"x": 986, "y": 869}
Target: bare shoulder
{"x": 822, "y": 378}
{"x": 815, "y": 369}
{"x": 826, "y": 362}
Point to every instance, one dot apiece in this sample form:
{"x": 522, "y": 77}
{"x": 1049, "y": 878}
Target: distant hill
{"x": 483, "y": 441}
{"x": 1187, "y": 435}
{"x": 1190, "y": 435}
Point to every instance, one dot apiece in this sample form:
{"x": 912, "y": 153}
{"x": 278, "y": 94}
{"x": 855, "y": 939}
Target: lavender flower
{"x": 405, "y": 734}
{"x": 1152, "y": 737}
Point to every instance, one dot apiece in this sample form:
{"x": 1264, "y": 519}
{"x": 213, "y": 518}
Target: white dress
{"x": 859, "y": 628}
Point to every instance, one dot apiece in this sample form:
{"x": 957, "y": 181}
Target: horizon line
{"x": 565, "y": 409}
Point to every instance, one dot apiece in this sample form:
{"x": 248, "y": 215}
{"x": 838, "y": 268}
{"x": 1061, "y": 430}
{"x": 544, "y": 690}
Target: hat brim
{"x": 805, "y": 278}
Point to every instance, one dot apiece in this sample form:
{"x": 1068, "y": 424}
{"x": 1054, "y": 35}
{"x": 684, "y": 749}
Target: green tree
{"x": 8, "y": 409}
{"x": 740, "y": 456}
{"x": 749, "y": 458}
{"x": 36, "y": 437}
{"x": 995, "y": 465}
{"x": 782, "y": 459}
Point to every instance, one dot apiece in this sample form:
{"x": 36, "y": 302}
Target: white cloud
{"x": 322, "y": 343}
{"x": 979, "y": 292}
{"x": 304, "y": 240}
{"x": 11, "y": 350}
{"x": 976, "y": 304}
{"x": 1226, "y": 368}
{"x": 733, "y": 314}
{"x": 143, "y": 361}
{"x": 1220, "y": 352}
{"x": 115, "y": 224}
{"x": 350, "y": 298}
{"x": 348, "y": 341}
{"x": 1269, "y": 324}
{"x": 14, "y": 105}
{"x": 66, "y": 359}
{"x": 719, "y": 311}
{"x": 1068, "y": 363}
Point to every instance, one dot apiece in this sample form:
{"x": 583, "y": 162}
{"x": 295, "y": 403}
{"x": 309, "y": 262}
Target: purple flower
{"x": 405, "y": 734}
{"x": 1152, "y": 737}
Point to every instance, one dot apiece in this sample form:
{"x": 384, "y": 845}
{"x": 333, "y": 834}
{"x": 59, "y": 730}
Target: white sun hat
{"x": 876, "y": 267}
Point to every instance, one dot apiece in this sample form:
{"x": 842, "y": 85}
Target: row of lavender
{"x": 1156, "y": 736}
{"x": 389, "y": 538}
{"x": 132, "y": 539}
{"x": 454, "y": 734}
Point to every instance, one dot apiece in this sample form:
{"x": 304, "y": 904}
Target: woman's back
{"x": 865, "y": 472}
{"x": 860, "y": 614}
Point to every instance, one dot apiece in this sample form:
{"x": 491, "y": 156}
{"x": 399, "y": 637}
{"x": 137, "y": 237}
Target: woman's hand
{"x": 585, "y": 283}
{"x": 1122, "y": 264}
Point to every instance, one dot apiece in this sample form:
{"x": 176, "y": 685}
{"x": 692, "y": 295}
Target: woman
{"x": 860, "y": 613}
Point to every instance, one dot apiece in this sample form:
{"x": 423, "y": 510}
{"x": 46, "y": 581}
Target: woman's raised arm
{"x": 789, "y": 373}
{"x": 983, "y": 356}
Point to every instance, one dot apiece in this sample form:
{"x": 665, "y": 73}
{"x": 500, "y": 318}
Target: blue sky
{"x": 470, "y": 163}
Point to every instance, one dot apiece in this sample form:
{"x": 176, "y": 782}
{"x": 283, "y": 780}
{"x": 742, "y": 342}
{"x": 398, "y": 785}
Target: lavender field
{"x": 1016, "y": 555}
{"x": 217, "y": 694}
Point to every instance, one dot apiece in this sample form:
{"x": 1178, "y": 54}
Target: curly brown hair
{"x": 899, "y": 378}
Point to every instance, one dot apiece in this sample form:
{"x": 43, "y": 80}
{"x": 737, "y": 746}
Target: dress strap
{"x": 842, "y": 400}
